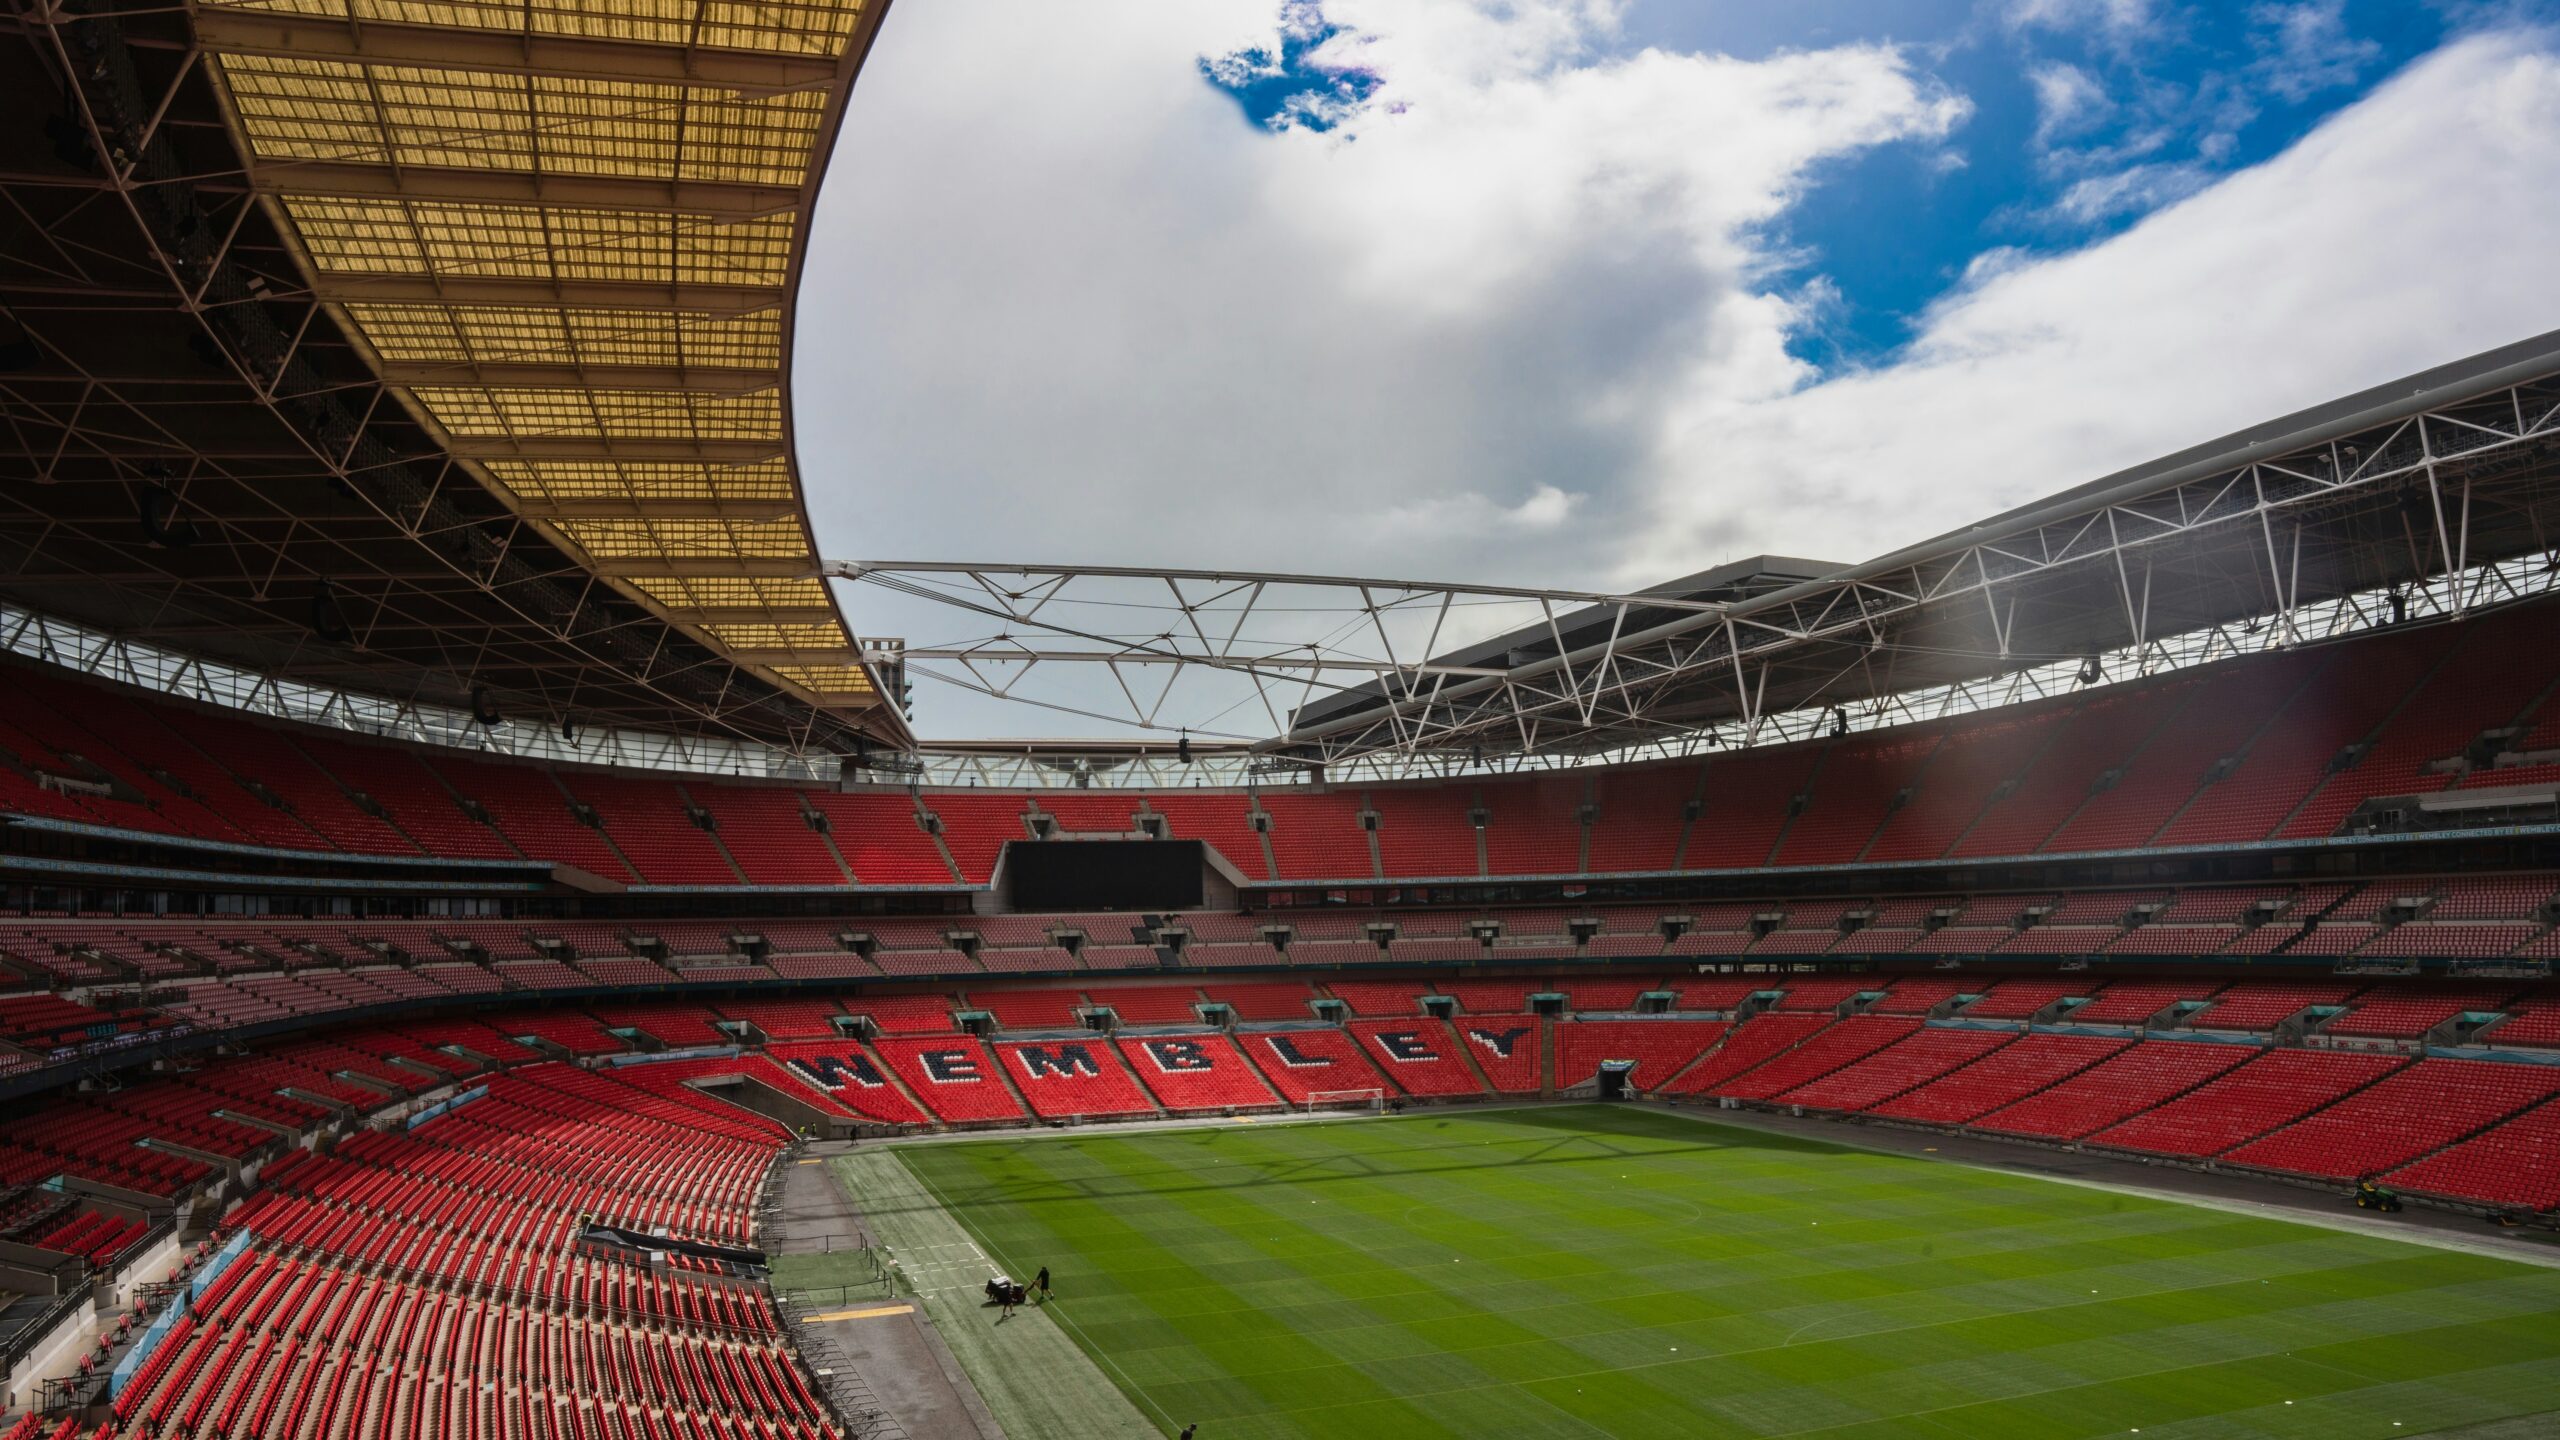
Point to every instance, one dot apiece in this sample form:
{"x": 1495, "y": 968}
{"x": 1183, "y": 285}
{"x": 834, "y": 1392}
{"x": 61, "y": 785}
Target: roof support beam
{"x": 1001, "y": 654}
{"x": 350, "y": 179}
{"x": 94, "y": 444}
{"x": 298, "y": 37}
{"x": 348, "y": 289}
{"x": 638, "y": 508}
{"x": 755, "y": 614}
{"x": 716, "y": 567}
{"x": 597, "y": 447}
{"x": 531, "y": 375}
{"x": 220, "y": 587}
{"x": 814, "y": 655}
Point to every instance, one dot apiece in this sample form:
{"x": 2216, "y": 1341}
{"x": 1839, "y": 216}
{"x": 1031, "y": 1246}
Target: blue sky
{"x": 1597, "y": 293}
{"x": 2199, "y": 91}
{"x": 2084, "y": 116}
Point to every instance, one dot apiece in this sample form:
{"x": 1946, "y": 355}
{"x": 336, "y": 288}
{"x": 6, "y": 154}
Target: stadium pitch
{"x": 1579, "y": 1271}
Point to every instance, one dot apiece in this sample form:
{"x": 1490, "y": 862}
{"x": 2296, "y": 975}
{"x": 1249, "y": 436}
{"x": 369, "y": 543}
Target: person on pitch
{"x": 1040, "y": 1282}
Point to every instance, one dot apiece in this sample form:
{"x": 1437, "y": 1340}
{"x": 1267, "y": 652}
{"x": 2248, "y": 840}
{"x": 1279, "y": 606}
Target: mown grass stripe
{"x": 1607, "y": 1270}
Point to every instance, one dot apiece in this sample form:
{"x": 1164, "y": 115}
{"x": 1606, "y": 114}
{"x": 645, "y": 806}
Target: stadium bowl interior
{"x": 373, "y": 1063}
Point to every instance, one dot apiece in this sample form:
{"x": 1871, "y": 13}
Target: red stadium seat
{"x": 1197, "y": 1072}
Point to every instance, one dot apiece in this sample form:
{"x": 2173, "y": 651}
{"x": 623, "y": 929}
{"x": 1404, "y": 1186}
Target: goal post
{"x": 1373, "y": 1101}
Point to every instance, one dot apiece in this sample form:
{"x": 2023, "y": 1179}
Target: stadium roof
{"x": 441, "y": 350}
{"x": 431, "y": 348}
{"x": 2416, "y": 485}
{"x": 2422, "y": 489}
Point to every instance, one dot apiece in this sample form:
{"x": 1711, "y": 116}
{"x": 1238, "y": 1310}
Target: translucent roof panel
{"x": 698, "y": 593}
{"x": 688, "y": 539}
{"x": 810, "y": 27}
{"x": 526, "y": 234}
{"x": 461, "y": 119}
{"x": 644, "y": 480}
{"x": 525, "y": 335}
{"x": 779, "y": 637}
{"x": 474, "y": 411}
{"x": 366, "y": 235}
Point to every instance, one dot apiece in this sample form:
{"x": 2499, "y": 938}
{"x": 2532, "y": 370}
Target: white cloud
{"x": 2130, "y": 191}
{"x": 1545, "y": 509}
{"x": 1086, "y": 311}
{"x": 2068, "y": 101}
{"x": 2309, "y": 49}
{"x": 2113, "y": 19}
{"x": 2315, "y": 274}
{"x": 1525, "y": 327}
{"x": 1436, "y": 521}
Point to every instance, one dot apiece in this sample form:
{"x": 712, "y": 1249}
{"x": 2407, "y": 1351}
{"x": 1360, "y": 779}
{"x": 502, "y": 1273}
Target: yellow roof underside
{"x": 636, "y": 433}
{"x": 814, "y": 28}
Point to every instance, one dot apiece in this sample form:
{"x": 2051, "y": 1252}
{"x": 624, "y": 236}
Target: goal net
{"x": 1373, "y": 1101}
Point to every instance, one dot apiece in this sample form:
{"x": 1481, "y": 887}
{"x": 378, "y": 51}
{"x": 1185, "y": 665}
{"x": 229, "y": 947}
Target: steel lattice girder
{"x": 2439, "y": 476}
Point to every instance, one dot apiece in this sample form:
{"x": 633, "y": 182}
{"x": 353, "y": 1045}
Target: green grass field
{"x": 1589, "y": 1270}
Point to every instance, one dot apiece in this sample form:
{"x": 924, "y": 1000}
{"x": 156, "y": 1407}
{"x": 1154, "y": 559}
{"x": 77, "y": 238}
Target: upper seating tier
{"x": 2260, "y": 746}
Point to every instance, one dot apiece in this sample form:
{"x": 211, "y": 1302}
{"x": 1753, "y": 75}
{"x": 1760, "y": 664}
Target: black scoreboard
{"x": 1104, "y": 874}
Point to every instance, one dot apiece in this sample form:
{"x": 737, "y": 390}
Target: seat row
{"x": 2484, "y": 1131}
{"x": 2242, "y": 751}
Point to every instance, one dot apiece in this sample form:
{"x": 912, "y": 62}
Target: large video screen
{"x": 1104, "y": 874}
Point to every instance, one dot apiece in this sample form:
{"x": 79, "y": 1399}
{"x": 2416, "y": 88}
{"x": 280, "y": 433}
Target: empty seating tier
{"x": 2421, "y": 1109}
{"x": 1289, "y": 1000}
{"x": 2122, "y": 1085}
{"x": 1304, "y": 1062}
{"x": 1903, "y": 1065}
{"x": 2002, "y": 1077}
{"x": 1031, "y": 1009}
{"x": 1149, "y": 1004}
{"x": 1071, "y": 1079}
{"x": 2512, "y": 1165}
{"x": 1420, "y": 1055}
{"x": 1505, "y": 1047}
{"x": 853, "y": 1076}
{"x": 2263, "y": 1004}
{"x": 953, "y": 1075}
{"x": 2271, "y": 1090}
{"x": 1749, "y": 1044}
{"x": 1821, "y": 1053}
{"x": 428, "y": 1282}
{"x": 1379, "y": 997}
{"x": 2283, "y": 744}
{"x": 1659, "y": 1048}
{"x": 1193, "y": 1073}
